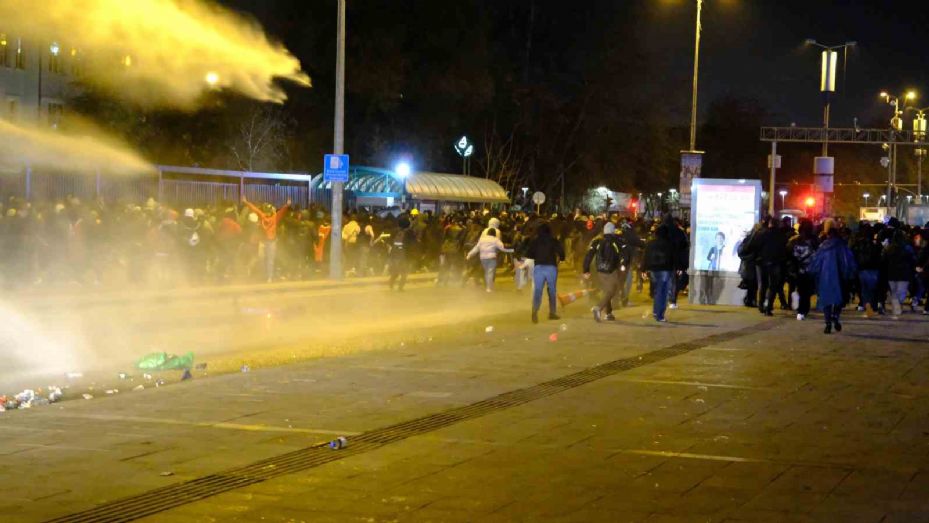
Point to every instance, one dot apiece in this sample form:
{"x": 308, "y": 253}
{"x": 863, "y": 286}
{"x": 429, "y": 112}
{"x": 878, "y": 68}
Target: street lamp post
{"x": 403, "y": 171}
{"x": 783, "y": 193}
{"x": 827, "y": 83}
{"x": 896, "y": 124}
{"x": 693, "y": 104}
{"x": 335, "y": 248}
{"x": 866, "y": 196}
{"x": 919, "y": 134}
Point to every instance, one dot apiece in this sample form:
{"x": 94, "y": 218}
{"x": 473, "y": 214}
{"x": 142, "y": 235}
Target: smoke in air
{"x": 158, "y": 52}
{"x": 88, "y": 152}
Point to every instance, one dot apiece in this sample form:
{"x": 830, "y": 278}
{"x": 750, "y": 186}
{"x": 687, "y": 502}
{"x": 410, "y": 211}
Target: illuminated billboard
{"x": 722, "y": 214}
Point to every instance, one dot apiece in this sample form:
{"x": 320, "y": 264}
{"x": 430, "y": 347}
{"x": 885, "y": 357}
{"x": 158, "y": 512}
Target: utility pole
{"x": 335, "y": 248}
{"x": 693, "y": 105}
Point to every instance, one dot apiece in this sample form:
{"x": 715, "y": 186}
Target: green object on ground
{"x": 164, "y": 361}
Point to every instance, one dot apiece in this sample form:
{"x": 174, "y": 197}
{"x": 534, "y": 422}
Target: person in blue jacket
{"x": 833, "y": 266}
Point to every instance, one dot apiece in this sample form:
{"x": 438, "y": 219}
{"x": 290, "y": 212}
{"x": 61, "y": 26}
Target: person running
{"x": 833, "y": 266}
{"x": 608, "y": 252}
{"x": 488, "y": 248}
{"x": 547, "y": 253}
{"x": 659, "y": 263}
{"x": 401, "y": 254}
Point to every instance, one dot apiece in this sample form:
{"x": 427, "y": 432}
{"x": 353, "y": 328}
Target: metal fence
{"x": 182, "y": 190}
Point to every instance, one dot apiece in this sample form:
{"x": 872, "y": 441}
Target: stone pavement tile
{"x": 752, "y": 476}
{"x": 852, "y": 509}
{"x": 874, "y": 484}
{"x": 786, "y": 501}
{"x": 747, "y": 515}
{"x": 809, "y": 480}
{"x": 708, "y": 501}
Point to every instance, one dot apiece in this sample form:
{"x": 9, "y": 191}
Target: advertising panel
{"x": 723, "y": 213}
{"x": 691, "y": 165}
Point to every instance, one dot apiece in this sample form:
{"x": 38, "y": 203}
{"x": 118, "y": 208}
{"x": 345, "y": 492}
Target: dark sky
{"x": 754, "y": 48}
{"x": 750, "y": 48}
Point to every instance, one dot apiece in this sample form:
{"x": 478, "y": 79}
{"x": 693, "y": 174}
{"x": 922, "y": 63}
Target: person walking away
{"x": 658, "y": 262}
{"x": 350, "y": 233}
{"x": 450, "y": 253}
{"x": 772, "y": 255}
{"x": 748, "y": 268}
{"x": 547, "y": 253}
{"x": 868, "y": 254}
{"x": 900, "y": 263}
{"x": 800, "y": 250}
{"x": 269, "y": 220}
{"x": 608, "y": 252}
{"x": 487, "y": 248}
{"x": 401, "y": 254}
{"x": 833, "y": 267}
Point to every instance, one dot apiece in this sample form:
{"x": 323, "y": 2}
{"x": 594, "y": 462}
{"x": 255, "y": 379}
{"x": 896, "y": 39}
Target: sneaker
{"x": 535, "y": 316}
{"x": 596, "y": 313}
{"x": 661, "y": 320}
{"x": 672, "y": 306}
{"x": 800, "y": 317}
{"x": 869, "y": 312}
{"x": 838, "y": 327}
{"x": 768, "y": 313}
{"x": 828, "y": 329}
{"x": 610, "y": 317}
{"x": 553, "y": 316}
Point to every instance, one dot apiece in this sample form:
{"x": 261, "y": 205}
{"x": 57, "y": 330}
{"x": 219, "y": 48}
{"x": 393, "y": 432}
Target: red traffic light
{"x": 810, "y": 201}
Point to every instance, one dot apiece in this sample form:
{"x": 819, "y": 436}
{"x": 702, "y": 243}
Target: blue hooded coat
{"x": 833, "y": 266}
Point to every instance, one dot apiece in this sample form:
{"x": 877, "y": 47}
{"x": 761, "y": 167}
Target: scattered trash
{"x": 87, "y": 396}
{"x": 553, "y": 337}
{"x": 74, "y": 375}
{"x": 54, "y": 394}
{"x": 700, "y": 400}
{"x": 187, "y": 375}
{"x": 245, "y": 368}
{"x": 112, "y": 391}
{"x": 489, "y": 329}
{"x": 159, "y": 382}
{"x": 339, "y": 443}
{"x": 25, "y": 396}
{"x": 166, "y": 473}
{"x": 138, "y": 387}
{"x": 721, "y": 438}
{"x": 123, "y": 375}
{"x": 201, "y": 366}
{"x": 165, "y": 361}
{"x": 702, "y": 387}
{"x": 563, "y": 327}
{"x": 147, "y": 377}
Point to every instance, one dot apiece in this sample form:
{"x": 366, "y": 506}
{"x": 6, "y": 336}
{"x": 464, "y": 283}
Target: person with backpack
{"x": 900, "y": 264}
{"x": 611, "y": 270}
{"x": 401, "y": 253}
{"x": 659, "y": 263}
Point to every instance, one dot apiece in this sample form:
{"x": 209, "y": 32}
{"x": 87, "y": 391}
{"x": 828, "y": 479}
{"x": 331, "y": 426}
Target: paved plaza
{"x": 720, "y": 415}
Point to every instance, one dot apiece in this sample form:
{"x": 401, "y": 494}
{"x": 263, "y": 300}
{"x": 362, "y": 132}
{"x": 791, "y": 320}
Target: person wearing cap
{"x": 611, "y": 269}
{"x": 488, "y": 247}
{"x": 269, "y": 222}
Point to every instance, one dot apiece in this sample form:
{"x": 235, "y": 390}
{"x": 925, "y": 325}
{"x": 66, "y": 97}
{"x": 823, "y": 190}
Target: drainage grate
{"x": 165, "y": 498}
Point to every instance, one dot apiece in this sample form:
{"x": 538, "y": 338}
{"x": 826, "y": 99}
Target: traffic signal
{"x": 810, "y": 201}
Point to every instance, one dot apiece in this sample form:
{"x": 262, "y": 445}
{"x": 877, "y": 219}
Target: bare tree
{"x": 501, "y": 160}
{"x": 260, "y": 139}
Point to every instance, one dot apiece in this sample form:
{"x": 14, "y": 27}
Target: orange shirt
{"x": 268, "y": 222}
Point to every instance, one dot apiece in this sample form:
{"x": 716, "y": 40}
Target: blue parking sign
{"x": 335, "y": 168}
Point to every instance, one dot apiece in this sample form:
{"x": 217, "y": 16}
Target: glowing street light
{"x": 212, "y": 79}
{"x": 403, "y": 170}
{"x": 783, "y": 193}
{"x": 866, "y": 196}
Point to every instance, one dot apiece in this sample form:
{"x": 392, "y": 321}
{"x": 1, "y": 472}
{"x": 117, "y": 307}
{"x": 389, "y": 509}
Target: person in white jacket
{"x": 488, "y": 247}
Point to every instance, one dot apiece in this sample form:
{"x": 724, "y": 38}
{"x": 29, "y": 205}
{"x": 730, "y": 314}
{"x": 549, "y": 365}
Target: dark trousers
{"x": 805, "y": 286}
{"x": 832, "y": 313}
{"x": 610, "y": 285}
{"x": 399, "y": 269}
{"x": 771, "y": 283}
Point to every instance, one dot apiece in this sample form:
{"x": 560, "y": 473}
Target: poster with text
{"x": 724, "y": 215}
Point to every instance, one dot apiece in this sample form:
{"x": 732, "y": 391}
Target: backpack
{"x": 608, "y": 257}
{"x": 658, "y": 254}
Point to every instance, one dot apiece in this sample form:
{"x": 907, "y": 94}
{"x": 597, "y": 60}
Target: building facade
{"x": 35, "y": 79}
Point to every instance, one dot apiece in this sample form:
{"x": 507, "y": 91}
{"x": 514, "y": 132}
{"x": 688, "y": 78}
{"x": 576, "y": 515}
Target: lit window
{"x": 20, "y": 55}
{"x": 4, "y": 51}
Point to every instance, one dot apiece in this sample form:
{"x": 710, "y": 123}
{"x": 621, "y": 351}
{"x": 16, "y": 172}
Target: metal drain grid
{"x": 165, "y": 498}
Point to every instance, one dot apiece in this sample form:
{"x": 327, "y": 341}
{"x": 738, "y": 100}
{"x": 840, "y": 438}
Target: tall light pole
{"x": 335, "y": 248}
{"x": 693, "y": 105}
{"x": 896, "y": 124}
{"x": 866, "y": 196}
{"x": 783, "y": 193}
{"x": 919, "y": 134}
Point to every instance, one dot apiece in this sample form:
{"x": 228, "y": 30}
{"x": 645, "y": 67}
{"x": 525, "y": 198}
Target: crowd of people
{"x": 881, "y": 268}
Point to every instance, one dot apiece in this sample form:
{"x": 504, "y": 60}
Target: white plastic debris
{"x": 489, "y": 329}
{"x": 74, "y": 375}
{"x": 563, "y": 327}
{"x": 138, "y": 387}
{"x": 87, "y": 396}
